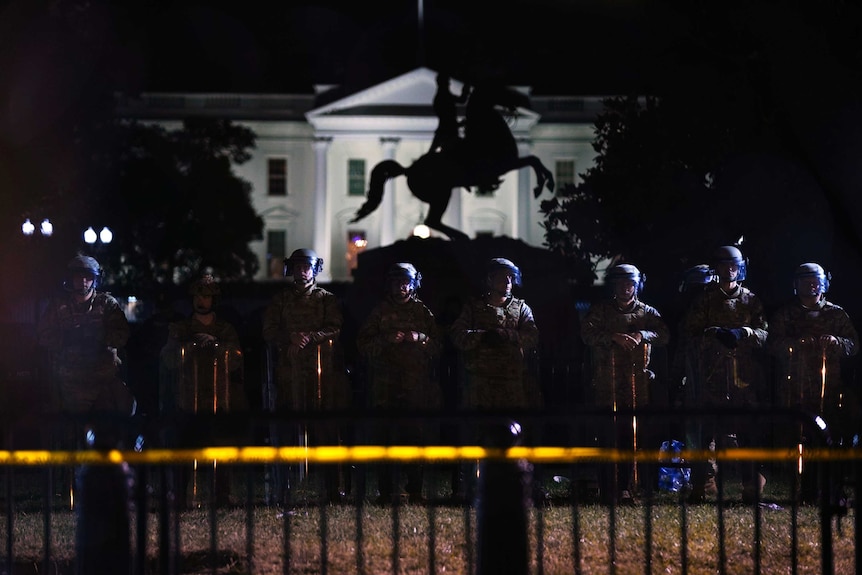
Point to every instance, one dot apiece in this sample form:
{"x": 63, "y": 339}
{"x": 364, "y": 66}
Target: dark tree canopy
{"x": 723, "y": 146}
{"x": 178, "y": 206}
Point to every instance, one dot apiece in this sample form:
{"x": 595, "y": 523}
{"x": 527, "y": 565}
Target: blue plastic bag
{"x": 676, "y": 477}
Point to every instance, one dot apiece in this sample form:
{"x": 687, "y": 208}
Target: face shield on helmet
{"x": 810, "y": 279}
{"x": 696, "y": 277}
{"x": 303, "y": 256}
{"x": 82, "y": 268}
{"x": 502, "y": 264}
{"x": 625, "y": 274}
{"x": 205, "y": 293}
{"x": 724, "y": 259}
{"x": 403, "y": 279}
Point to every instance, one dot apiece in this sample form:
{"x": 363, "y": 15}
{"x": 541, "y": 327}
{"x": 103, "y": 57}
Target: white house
{"x": 315, "y": 153}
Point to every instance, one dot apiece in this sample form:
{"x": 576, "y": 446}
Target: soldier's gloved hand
{"x": 829, "y": 341}
{"x": 117, "y": 361}
{"x": 203, "y": 339}
{"x": 729, "y": 338}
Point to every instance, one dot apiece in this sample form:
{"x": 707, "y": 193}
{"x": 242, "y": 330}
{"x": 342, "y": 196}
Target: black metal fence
{"x": 519, "y": 492}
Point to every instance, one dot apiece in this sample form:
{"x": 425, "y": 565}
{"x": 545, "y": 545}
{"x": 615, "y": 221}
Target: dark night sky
{"x": 586, "y": 46}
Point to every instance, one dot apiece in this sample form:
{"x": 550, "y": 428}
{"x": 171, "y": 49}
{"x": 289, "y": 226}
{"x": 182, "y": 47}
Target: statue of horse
{"x": 487, "y": 151}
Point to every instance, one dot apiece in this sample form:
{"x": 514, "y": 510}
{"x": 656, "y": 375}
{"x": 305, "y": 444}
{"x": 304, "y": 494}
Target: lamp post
{"x": 106, "y": 236}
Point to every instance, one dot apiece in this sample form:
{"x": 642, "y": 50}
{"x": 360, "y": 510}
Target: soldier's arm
{"x": 848, "y": 338}
{"x": 431, "y": 331}
{"x": 778, "y": 342}
{"x": 655, "y": 329}
{"x": 593, "y": 329}
{"x": 116, "y": 325}
{"x": 758, "y": 329}
{"x": 528, "y": 332}
{"x": 369, "y": 336}
{"x": 332, "y": 320}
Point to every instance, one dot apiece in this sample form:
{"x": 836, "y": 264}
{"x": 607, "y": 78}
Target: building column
{"x": 322, "y": 220}
{"x": 524, "y": 206}
{"x": 387, "y": 206}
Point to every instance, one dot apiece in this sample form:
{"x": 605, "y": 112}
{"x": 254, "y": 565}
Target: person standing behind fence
{"x": 85, "y": 331}
{"x": 302, "y": 325}
{"x": 810, "y": 337}
{"x": 400, "y": 343}
{"x": 621, "y": 333}
{"x": 725, "y": 327}
{"x": 202, "y": 375}
{"x": 497, "y": 337}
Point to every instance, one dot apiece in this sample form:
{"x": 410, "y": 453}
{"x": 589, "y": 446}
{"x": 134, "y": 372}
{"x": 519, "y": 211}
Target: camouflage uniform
{"x": 721, "y": 375}
{"x": 621, "y": 376}
{"x": 718, "y": 375}
{"x": 204, "y": 363}
{"x": 298, "y": 385}
{"x": 497, "y": 374}
{"x": 616, "y": 370}
{"x": 202, "y": 377}
{"x": 80, "y": 337}
{"x": 793, "y": 338}
{"x": 401, "y": 375}
{"x": 311, "y": 380}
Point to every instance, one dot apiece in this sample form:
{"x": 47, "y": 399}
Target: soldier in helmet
{"x": 810, "y": 337}
{"x": 725, "y": 327}
{"x": 496, "y": 333}
{"x": 399, "y": 342}
{"x": 203, "y": 374}
{"x": 497, "y": 337}
{"x": 302, "y": 325}
{"x": 621, "y": 333}
{"x": 85, "y": 330}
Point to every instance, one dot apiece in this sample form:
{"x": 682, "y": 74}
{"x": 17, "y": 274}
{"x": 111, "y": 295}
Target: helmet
{"x": 699, "y": 275}
{"x": 303, "y": 256}
{"x": 626, "y": 272}
{"x": 811, "y": 269}
{"x": 205, "y": 286}
{"x": 730, "y": 254}
{"x": 86, "y": 265}
{"x": 503, "y": 264}
{"x": 402, "y": 270}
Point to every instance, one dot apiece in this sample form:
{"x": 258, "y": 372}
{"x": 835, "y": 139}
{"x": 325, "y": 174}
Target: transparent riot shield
{"x": 198, "y": 380}
{"x": 309, "y": 380}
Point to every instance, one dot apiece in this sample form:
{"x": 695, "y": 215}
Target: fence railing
{"x": 519, "y": 492}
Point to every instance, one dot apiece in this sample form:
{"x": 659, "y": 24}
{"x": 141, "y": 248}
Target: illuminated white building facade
{"x": 315, "y": 152}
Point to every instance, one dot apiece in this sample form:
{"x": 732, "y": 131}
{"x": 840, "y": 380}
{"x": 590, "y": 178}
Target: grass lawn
{"x": 382, "y": 539}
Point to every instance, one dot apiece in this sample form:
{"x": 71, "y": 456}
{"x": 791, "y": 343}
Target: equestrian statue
{"x": 479, "y": 158}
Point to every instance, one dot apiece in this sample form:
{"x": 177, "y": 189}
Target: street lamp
{"x": 46, "y": 228}
{"x": 105, "y": 236}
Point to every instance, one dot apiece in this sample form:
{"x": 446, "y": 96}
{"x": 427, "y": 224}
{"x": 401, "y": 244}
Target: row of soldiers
{"x": 716, "y": 358}
{"x": 496, "y": 334}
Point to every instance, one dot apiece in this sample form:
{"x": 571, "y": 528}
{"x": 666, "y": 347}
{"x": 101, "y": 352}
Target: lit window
{"x": 355, "y": 177}
{"x": 276, "y": 169}
{"x": 356, "y": 244}
{"x": 276, "y": 249}
{"x": 564, "y": 173}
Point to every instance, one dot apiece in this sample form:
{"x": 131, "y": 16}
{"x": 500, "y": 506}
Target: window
{"x": 355, "y": 177}
{"x": 564, "y": 173}
{"x": 276, "y": 249}
{"x": 276, "y": 170}
{"x": 356, "y": 244}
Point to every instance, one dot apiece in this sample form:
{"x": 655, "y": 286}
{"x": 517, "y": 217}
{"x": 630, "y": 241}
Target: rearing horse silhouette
{"x": 487, "y": 151}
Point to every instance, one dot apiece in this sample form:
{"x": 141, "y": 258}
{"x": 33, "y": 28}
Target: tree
{"x": 176, "y": 204}
{"x": 721, "y": 147}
